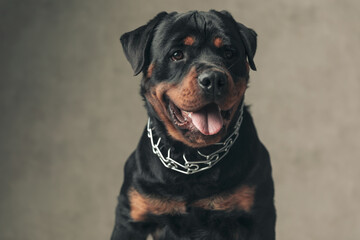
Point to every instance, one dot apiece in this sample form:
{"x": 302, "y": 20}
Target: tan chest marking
{"x": 142, "y": 205}
{"x": 240, "y": 199}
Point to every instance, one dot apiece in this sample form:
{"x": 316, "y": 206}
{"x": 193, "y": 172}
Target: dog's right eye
{"x": 229, "y": 53}
{"x": 177, "y": 55}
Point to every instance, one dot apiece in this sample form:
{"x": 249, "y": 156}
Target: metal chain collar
{"x": 203, "y": 161}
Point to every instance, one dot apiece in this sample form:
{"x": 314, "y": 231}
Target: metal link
{"x": 191, "y": 167}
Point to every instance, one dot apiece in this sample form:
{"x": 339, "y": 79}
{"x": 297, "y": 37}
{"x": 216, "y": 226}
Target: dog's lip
{"x": 177, "y": 115}
{"x": 168, "y": 101}
{"x": 183, "y": 119}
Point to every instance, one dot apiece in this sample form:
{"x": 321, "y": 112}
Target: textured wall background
{"x": 70, "y": 112}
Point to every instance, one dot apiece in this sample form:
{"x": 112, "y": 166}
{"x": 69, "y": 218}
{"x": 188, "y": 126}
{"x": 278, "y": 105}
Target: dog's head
{"x": 195, "y": 71}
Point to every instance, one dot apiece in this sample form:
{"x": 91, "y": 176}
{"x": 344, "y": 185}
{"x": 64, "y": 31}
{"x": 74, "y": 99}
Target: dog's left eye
{"x": 177, "y": 55}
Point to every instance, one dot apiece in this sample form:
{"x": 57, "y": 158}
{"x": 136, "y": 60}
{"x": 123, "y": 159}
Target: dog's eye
{"x": 177, "y": 55}
{"x": 229, "y": 53}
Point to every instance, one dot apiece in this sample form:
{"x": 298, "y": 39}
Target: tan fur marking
{"x": 235, "y": 94}
{"x": 218, "y": 42}
{"x": 186, "y": 94}
{"x": 155, "y": 99}
{"x": 150, "y": 70}
{"x": 189, "y": 40}
{"x": 142, "y": 205}
{"x": 241, "y": 199}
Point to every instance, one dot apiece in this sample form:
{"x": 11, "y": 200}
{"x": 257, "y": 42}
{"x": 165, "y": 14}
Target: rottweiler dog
{"x": 199, "y": 170}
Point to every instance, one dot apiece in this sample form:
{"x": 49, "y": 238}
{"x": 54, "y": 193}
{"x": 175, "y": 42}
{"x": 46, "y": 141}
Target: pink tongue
{"x": 208, "y": 120}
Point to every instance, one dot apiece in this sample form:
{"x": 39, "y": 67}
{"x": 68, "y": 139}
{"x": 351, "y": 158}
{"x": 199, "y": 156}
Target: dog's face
{"x": 196, "y": 68}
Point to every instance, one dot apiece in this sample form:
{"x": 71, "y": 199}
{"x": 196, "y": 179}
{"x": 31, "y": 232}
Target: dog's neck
{"x": 172, "y": 159}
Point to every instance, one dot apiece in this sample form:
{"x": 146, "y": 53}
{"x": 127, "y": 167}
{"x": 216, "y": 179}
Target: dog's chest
{"x": 142, "y": 206}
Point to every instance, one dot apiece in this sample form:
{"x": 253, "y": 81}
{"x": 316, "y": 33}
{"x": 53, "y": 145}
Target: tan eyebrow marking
{"x": 189, "y": 40}
{"x": 218, "y": 42}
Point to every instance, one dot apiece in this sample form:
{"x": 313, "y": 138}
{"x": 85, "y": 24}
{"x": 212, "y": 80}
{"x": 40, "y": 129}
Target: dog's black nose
{"x": 213, "y": 82}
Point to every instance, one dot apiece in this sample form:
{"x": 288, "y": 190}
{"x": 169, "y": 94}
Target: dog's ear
{"x": 136, "y": 44}
{"x": 249, "y": 39}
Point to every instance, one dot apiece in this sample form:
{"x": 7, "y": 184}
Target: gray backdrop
{"x": 70, "y": 112}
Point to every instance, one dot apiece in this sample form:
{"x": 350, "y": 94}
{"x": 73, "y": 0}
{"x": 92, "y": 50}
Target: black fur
{"x": 247, "y": 163}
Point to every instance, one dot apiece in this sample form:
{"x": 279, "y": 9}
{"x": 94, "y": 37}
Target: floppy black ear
{"x": 249, "y": 38}
{"x": 137, "y": 42}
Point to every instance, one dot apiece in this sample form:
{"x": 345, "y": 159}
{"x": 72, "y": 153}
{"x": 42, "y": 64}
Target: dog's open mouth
{"x": 208, "y": 120}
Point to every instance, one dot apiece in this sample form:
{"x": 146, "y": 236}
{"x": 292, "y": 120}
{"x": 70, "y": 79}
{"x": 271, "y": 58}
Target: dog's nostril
{"x": 205, "y": 82}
